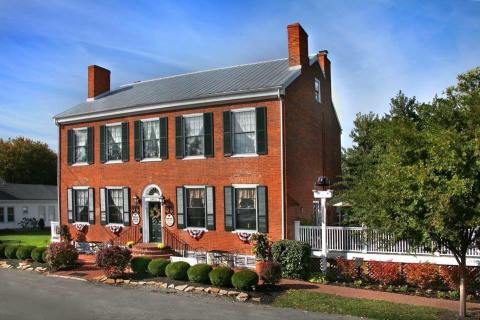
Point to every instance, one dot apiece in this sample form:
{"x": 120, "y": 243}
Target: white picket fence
{"x": 357, "y": 242}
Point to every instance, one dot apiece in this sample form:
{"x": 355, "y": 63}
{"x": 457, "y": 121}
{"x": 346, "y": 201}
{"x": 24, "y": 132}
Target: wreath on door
{"x": 155, "y": 213}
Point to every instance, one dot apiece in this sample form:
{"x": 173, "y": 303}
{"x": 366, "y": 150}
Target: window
{"x": 52, "y": 213}
{"x": 10, "y": 214}
{"x": 115, "y": 205}
{"x": 194, "y": 139}
{"x": 245, "y": 208}
{"x": 151, "y": 139}
{"x": 2, "y": 215}
{"x": 114, "y": 142}
{"x": 196, "y": 207}
{"x": 244, "y": 129}
{"x": 81, "y": 146}
{"x": 81, "y": 205}
{"x": 318, "y": 94}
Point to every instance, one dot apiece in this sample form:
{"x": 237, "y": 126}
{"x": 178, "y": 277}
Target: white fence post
{"x": 297, "y": 230}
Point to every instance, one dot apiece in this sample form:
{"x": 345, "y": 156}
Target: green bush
{"x": 156, "y": 267}
{"x": 177, "y": 270}
{"x": 37, "y": 254}
{"x": 2, "y": 250}
{"x": 61, "y": 255}
{"x": 11, "y": 251}
{"x": 244, "y": 280}
{"x": 24, "y": 252}
{"x": 44, "y": 255}
{"x": 294, "y": 258}
{"x": 221, "y": 277}
{"x": 199, "y": 273}
{"x": 140, "y": 264}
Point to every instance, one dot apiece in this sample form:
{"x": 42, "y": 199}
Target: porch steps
{"x": 150, "y": 250}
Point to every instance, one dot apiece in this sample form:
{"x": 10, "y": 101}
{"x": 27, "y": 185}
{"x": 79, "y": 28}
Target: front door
{"x": 155, "y": 221}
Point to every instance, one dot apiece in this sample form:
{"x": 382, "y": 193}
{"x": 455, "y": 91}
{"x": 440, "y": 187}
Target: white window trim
{"x": 192, "y": 115}
{"x": 194, "y": 158}
{"x": 113, "y": 161}
{"x": 80, "y": 188}
{"x": 150, "y": 119}
{"x": 245, "y": 186}
{"x": 151, "y": 159}
{"x": 79, "y": 164}
{"x": 186, "y": 209}
{"x": 244, "y": 155}
{"x": 113, "y": 124}
{"x": 243, "y": 109}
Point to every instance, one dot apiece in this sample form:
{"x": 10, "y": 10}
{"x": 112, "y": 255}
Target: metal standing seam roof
{"x": 16, "y": 191}
{"x": 210, "y": 83}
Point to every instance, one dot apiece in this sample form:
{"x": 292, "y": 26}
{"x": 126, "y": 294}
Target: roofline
{"x": 251, "y": 95}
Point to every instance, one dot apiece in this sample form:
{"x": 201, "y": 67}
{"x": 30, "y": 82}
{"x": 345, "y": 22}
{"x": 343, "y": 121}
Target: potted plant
{"x": 262, "y": 250}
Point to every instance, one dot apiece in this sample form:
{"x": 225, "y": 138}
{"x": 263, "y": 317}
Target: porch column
{"x": 323, "y": 203}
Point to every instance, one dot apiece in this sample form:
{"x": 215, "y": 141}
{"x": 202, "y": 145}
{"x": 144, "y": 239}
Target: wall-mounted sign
{"x": 135, "y": 218}
{"x": 169, "y": 220}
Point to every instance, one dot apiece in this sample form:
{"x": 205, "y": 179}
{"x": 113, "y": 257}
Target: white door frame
{"x": 146, "y": 198}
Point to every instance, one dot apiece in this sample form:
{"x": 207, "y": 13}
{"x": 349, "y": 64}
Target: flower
{"x": 130, "y": 244}
{"x": 161, "y": 245}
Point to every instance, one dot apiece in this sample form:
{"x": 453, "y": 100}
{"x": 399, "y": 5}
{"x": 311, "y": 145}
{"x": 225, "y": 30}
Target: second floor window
{"x": 318, "y": 93}
{"x": 115, "y": 205}
{"x": 114, "y": 142}
{"x": 194, "y": 139}
{"x": 244, "y": 130}
{"x": 81, "y": 146}
{"x": 151, "y": 139}
{"x": 81, "y": 205}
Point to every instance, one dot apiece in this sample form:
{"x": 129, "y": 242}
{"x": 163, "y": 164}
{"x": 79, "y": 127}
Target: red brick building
{"x": 205, "y": 158}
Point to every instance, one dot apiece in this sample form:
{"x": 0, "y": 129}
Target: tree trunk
{"x": 463, "y": 303}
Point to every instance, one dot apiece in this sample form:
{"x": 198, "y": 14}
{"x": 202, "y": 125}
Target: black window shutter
{"x": 126, "y": 206}
{"x": 90, "y": 145}
{"x": 103, "y": 143}
{"x": 261, "y": 115}
{"x": 179, "y": 139}
{"x": 138, "y": 140}
{"x": 70, "y": 205}
{"x": 103, "y": 206}
{"x": 227, "y": 133}
{"x": 180, "y": 208}
{"x": 262, "y": 207}
{"x": 210, "y": 207}
{"x": 164, "y": 138}
{"x": 208, "y": 134}
{"x": 228, "y": 208}
{"x": 125, "y": 142}
{"x": 91, "y": 206}
{"x": 70, "y": 147}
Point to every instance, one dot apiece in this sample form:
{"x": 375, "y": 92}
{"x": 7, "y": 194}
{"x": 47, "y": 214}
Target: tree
{"x": 415, "y": 172}
{"x": 25, "y": 161}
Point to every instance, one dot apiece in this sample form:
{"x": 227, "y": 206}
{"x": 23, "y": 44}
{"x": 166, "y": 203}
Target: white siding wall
{"x": 48, "y": 209}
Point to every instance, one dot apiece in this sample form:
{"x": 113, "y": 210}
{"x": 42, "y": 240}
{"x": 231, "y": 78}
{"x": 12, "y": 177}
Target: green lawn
{"x": 33, "y": 238}
{"x": 326, "y": 303}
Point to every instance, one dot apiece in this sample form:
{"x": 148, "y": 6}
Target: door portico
{"x": 151, "y": 196}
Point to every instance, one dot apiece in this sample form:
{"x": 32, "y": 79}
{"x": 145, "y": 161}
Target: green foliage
{"x": 244, "y": 280}
{"x": 199, "y": 273}
{"x": 221, "y": 277}
{"x": 177, "y": 270}
{"x": 26, "y": 161}
{"x": 156, "y": 267}
{"x": 38, "y": 253}
{"x": 11, "y": 251}
{"x": 2, "y": 250}
{"x": 45, "y": 256}
{"x": 318, "y": 277}
{"x": 140, "y": 264}
{"x": 294, "y": 258}
{"x": 262, "y": 247}
{"x": 24, "y": 252}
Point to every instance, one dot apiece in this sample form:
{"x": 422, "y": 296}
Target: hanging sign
{"x": 135, "y": 218}
{"x": 169, "y": 220}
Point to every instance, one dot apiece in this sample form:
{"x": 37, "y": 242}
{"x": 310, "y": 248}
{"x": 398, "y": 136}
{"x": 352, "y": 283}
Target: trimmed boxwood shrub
{"x": 156, "y": 267}
{"x": 11, "y": 251}
{"x": 294, "y": 258}
{"x": 113, "y": 260}
{"x": 2, "y": 250}
{"x": 221, "y": 277}
{"x": 45, "y": 255}
{"x": 24, "y": 252}
{"x": 244, "y": 280}
{"x": 177, "y": 270}
{"x": 199, "y": 273}
{"x": 37, "y": 254}
{"x": 140, "y": 264}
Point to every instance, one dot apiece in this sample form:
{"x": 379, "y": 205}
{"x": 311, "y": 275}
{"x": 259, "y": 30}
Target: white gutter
{"x": 282, "y": 174}
{"x": 238, "y": 97}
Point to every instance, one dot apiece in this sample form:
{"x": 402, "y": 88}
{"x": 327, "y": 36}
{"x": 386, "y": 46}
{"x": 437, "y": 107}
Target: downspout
{"x": 58, "y": 173}
{"x": 282, "y": 167}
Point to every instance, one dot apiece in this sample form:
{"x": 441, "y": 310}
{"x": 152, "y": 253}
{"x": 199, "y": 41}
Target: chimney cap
{"x": 323, "y": 52}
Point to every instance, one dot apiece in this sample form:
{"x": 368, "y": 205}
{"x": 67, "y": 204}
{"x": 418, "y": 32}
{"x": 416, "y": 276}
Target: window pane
{"x": 194, "y": 136}
{"x": 81, "y": 145}
{"x": 245, "y": 142}
{"x": 114, "y": 142}
{"x": 11, "y": 214}
{"x": 115, "y": 206}
{"x": 244, "y": 121}
{"x": 245, "y": 209}
{"x": 151, "y": 139}
{"x": 196, "y": 208}
{"x": 194, "y": 146}
{"x": 244, "y": 132}
{"x": 81, "y": 205}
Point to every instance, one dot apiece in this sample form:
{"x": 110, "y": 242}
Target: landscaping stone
{"x": 133, "y": 283}
{"x": 163, "y": 285}
{"x": 233, "y": 293}
{"x": 142, "y": 283}
{"x": 119, "y": 281}
{"x": 151, "y": 283}
{"x": 223, "y": 292}
{"x": 207, "y": 290}
{"x": 190, "y": 288}
{"x": 242, "y": 297}
{"x": 257, "y": 299}
{"x": 110, "y": 281}
{"x": 214, "y": 290}
{"x": 199, "y": 289}
{"x": 127, "y": 281}
{"x": 181, "y": 287}
{"x": 172, "y": 286}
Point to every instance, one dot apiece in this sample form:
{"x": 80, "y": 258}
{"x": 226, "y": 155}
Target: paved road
{"x": 26, "y": 295}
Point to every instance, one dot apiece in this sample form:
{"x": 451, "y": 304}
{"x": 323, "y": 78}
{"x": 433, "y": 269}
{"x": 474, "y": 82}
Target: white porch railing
{"x": 373, "y": 245}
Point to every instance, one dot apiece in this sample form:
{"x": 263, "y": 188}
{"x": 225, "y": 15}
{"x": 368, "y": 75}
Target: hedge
{"x": 140, "y": 264}
{"x": 2, "y": 250}
{"x": 156, "y": 267}
{"x": 24, "y": 252}
{"x": 221, "y": 277}
{"x": 244, "y": 280}
{"x": 38, "y": 253}
{"x": 11, "y": 251}
{"x": 177, "y": 270}
{"x": 199, "y": 273}
{"x": 294, "y": 258}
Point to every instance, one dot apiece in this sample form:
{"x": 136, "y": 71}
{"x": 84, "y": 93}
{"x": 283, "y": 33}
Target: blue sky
{"x": 376, "y": 48}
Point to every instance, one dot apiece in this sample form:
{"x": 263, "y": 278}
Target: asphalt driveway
{"x": 27, "y": 295}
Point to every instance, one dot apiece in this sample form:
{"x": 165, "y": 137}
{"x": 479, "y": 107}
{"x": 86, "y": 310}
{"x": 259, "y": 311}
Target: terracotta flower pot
{"x": 259, "y": 266}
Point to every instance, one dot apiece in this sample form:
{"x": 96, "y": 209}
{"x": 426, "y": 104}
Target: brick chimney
{"x": 98, "y": 81}
{"x": 324, "y": 63}
{"x": 297, "y": 45}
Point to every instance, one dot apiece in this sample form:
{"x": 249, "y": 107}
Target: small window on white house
{"x": 318, "y": 92}
{"x": 114, "y": 143}
{"x": 42, "y": 212}
{"x": 2, "y": 215}
{"x": 11, "y": 214}
{"x": 81, "y": 146}
{"x": 115, "y": 205}
{"x": 244, "y": 130}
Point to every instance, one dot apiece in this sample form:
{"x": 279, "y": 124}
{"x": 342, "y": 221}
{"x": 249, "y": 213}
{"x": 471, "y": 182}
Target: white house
{"x": 18, "y": 201}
